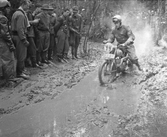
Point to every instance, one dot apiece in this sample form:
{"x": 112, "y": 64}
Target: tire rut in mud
{"x": 49, "y": 82}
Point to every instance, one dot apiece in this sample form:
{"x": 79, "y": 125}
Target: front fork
{"x": 109, "y": 62}
{"x": 111, "y": 69}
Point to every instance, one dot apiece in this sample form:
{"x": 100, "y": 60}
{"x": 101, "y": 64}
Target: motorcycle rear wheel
{"x": 107, "y": 72}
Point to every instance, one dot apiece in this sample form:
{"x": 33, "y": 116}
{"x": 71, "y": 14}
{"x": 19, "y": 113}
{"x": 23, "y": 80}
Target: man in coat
{"x": 53, "y": 18}
{"x": 62, "y": 31}
{"x": 75, "y": 31}
{"x": 7, "y": 69}
{"x": 43, "y": 34}
{"x": 19, "y": 25}
{"x": 31, "y": 52}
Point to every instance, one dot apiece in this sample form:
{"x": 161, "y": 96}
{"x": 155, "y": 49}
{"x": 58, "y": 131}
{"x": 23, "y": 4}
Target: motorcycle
{"x": 116, "y": 62}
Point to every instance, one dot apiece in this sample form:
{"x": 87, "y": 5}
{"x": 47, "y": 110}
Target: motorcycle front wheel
{"x": 107, "y": 72}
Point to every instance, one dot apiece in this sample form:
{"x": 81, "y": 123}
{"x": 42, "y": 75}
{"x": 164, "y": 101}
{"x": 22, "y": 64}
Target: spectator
{"x": 31, "y": 53}
{"x": 7, "y": 69}
{"x": 53, "y": 19}
{"x": 75, "y": 31}
{"x": 43, "y": 33}
{"x": 37, "y": 10}
{"x": 61, "y": 29}
{"x": 19, "y": 25}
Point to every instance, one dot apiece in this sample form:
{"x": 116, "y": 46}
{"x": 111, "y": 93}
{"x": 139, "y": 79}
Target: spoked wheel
{"x": 107, "y": 72}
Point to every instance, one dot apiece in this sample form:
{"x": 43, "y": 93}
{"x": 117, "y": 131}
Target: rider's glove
{"x": 105, "y": 41}
{"x": 121, "y": 45}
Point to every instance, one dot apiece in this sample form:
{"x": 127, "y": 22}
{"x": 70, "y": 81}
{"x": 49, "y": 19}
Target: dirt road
{"x": 130, "y": 107}
{"x": 86, "y": 99}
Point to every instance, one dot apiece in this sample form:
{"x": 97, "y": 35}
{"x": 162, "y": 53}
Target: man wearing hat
{"x": 43, "y": 34}
{"x": 75, "y": 31}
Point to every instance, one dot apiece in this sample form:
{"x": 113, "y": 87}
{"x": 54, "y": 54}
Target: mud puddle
{"x": 86, "y": 109}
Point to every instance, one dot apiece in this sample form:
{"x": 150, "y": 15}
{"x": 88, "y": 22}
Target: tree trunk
{"x": 85, "y": 47}
{"x": 166, "y": 9}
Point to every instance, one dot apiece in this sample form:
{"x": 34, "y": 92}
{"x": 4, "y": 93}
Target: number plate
{"x": 108, "y": 47}
{"x": 108, "y": 56}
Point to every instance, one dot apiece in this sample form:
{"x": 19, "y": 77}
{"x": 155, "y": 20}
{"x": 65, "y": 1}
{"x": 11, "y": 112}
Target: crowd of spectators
{"x": 34, "y": 36}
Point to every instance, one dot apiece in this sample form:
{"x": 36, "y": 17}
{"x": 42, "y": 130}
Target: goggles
{"x": 116, "y": 21}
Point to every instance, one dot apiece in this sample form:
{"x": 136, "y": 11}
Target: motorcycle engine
{"x": 120, "y": 55}
{"x": 122, "y": 67}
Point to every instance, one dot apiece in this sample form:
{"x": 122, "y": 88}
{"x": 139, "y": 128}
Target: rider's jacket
{"x": 122, "y": 35}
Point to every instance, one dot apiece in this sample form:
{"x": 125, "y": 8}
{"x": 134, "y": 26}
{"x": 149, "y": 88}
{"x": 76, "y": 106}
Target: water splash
{"x": 80, "y": 132}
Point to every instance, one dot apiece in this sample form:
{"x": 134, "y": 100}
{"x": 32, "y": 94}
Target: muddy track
{"x": 47, "y": 82}
{"x": 143, "y": 114}
{"x": 74, "y": 105}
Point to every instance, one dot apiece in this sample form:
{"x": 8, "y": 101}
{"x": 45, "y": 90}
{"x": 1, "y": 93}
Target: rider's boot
{"x": 130, "y": 66}
{"x": 137, "y": 64}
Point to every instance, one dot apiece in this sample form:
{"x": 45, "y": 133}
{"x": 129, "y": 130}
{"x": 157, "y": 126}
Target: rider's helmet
{"x": 117, "y": 18}
{"x": 4, "y": 3}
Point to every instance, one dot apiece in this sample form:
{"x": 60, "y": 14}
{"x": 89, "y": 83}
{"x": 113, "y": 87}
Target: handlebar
{"x": 121, "y": 46}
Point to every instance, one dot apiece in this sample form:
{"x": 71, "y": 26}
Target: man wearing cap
{"x": 7, "y": 69}
{"x": 62, "y": 31}
{"x": 19, "y": 25}
{"x": 125, "y": 37}
{"x": 43, "y": 30}
{"x": 75, "y": 31}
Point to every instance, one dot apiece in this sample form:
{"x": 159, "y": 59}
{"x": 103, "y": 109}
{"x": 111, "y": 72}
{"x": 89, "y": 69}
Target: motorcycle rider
{"x": 125, "y": 38}
{"x": 7, "y": 67}
{"x": 43, "y": 33}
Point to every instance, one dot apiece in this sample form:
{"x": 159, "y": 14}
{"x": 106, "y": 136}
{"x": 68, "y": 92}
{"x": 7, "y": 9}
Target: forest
{"x": 98, "y": 13}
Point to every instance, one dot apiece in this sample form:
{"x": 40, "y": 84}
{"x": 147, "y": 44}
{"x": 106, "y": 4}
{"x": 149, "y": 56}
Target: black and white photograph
{"x": 83, "y": 68}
